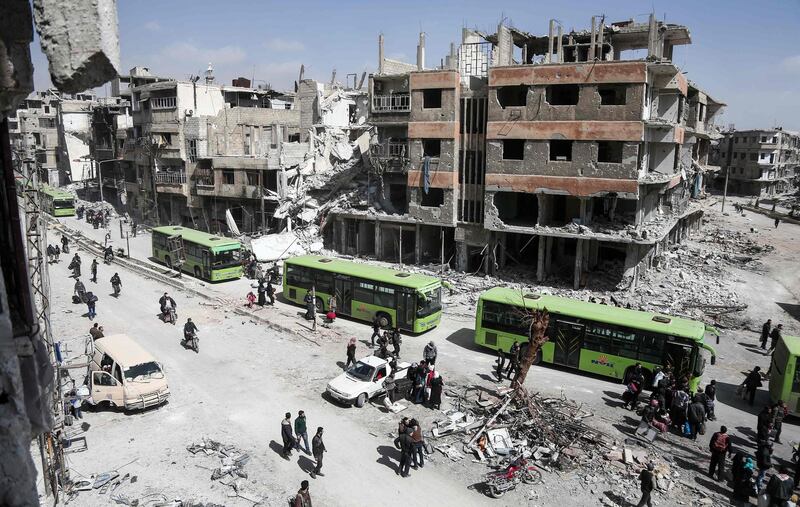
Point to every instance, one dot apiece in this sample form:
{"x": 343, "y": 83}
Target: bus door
{"x": 344, "y": 294}
{"x": 406, "y": 309}
{"x": 568, "y": 343}
{"x": 206, "y": 268}
{"x": 679, "y": 357}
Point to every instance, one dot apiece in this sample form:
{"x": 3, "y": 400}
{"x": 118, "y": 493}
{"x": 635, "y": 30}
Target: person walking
{"x": 309, "y": 301}
{"x": 406, "y": 446}
{"x": 300, "y": 431}
{"x": 302, "y": 498}
{"x": 647, "y": 484}
{"x": 262, "y": 293}
{"x": 133, "y": 227}
{"x": 91, "y": 302}
{"x": 436, "y": 391}
{"x": 765, "y": 330}
{"x": 780, "y": 488}
{"x": 96, "y": 331}
{"x": 418, "y": 453}
{"x": 743, "y": 483}
{"x": 697, "y": 416}
{"x": 779, "y": 412}
{"x": 711, "y": 396}
{"x": 777, "y": 221}
{"x": 376, "y": 330}
{"x": 764, "y": 462}
{"x": 64, "y": 244}
{"x": 775, "y": 337}
{"x": 351, "y": 353}
{"x": 501, "y": 361}
{"x": 752, "y": 383}
{"x": 429, "y": 353}
{"x": 94, "y": 270}
{"x": 720, "y": 446}
{"x": 318, "y": 448}
{"x": 287, "y": 436}
{"x": 396, "y": 341}
{"x": 332, "y": 304}
{"x": 271, "y": 293}
{"x": 514, "y": 357}
{"x": 764, "y": 424}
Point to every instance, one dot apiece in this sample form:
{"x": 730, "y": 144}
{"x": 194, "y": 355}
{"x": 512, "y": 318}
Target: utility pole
{"x": 727, "y": 169}
{"x": 261, "y": 194}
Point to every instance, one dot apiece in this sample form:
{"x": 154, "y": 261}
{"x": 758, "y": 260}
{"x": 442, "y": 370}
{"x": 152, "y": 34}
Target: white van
{"x": 123, "y": 374}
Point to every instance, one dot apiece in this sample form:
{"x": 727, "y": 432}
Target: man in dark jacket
{"x": 647, "y": 482}
{"x": 317, "y": 448}
{"x": 300, "y": 432}
{"x": 779, "y": 411}
{"x": 513, "y": 356}
{"x": 752, "y": 383}
{"x": 270, "y": 293}
{"x": 303, "y": 498}
{"x": 711, "y": 396}
{"x": 764, "y": 424}
{"x": 765, "y": 329}
{"x": 720, "y": 446}
{"x": 376, "y": 330}
{"x": 779, "y": 488}
{"x": 287, "y": 436}
{"x": 697, "y": 416}
{"x": 396, "y": 341}
{"x": 406, "y": 446}
{"x": 775, "y": 337}
{"x": 262, "y": 293}
{"x": 763, "y": 462}
{"x": 94, "y": 270}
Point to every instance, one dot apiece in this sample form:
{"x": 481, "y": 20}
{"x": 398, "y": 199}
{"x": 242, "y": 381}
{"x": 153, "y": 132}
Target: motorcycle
{"x": 191, "y": 342}
{"x": 502, "y": 481}
{"x": 170, "y": 315}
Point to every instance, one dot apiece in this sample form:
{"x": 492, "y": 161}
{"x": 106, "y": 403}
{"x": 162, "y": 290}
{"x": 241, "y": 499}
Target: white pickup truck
{"x": 363, "y": 381}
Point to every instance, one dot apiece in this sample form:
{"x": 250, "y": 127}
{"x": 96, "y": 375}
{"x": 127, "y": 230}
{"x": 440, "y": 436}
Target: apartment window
{"x": 513, "y": 149}
{"x": 46, "y": 109}
{"x": 763, "y": 139}
{"x": 562, "y": 95}
{"x": 252, "y": 178}
{"x": 433, "y": 199}
{"x": 754, "y": 157}
{"x": 612, "y": 95}
{"x": 512, "y": 96}
{"x": 763, "y": 156}
{"x": 247, "y": 144}
{"x": 431, "y": 148}
{"x": 753, "y": 139}
{"x": 192, "y": 150}
{"x": 736, "y": 140}
{"x": 228, "y": 177}
{"x": 775, "y": 140}
{"x": 560, "y": 150}
{"x": 609, "y": 151}
{"x": 771, "y": 158}
{"x": 47, "y": 123}
{"x": 432, "y": 99}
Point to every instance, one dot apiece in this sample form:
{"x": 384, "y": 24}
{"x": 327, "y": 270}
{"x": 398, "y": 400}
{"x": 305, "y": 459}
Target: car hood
{"x": 346, "y": 384}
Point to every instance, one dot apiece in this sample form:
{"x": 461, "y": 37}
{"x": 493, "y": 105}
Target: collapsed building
{"x": 759, "y": 162}
{"x": 555, "y": 153}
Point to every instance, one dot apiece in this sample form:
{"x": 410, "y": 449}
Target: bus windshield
{"x": 62, "y": 203}
{"x": 429, "y": 302}
{"x": 226, "y": 259}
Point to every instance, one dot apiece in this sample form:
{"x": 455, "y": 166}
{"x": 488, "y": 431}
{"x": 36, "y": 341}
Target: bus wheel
{"x": 168, "y": 261}
{"x": 197, "y": 272}
{"x": 384, "y": 320}
{"x": 320, "y": 304}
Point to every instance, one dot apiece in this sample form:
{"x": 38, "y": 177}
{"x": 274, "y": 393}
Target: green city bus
{"x": 410, "y": 301}
{"x": 784, "y": 375}
{"x": 205, "y": 255}
{"x": 595, "y": 338}
{"x": 57, "y": 202}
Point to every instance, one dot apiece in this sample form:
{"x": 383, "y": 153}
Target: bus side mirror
{"x": 713, "y": 360}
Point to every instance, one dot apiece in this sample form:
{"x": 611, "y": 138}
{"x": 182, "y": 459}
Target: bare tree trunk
{"x": 539, "y": 320}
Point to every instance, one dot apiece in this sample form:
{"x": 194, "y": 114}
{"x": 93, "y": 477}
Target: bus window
{"x": 429, "y": 302}
{"x": 323, "y": 282}
{"x": 796, "y": 379}
{"x": 229, "y": 258}
{"x": 384, "y": 296}
{"x": 651, "y": 347}
{"x": 364, "y": 293}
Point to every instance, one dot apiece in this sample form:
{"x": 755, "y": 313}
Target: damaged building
{"x": 557, "y": 153}
{"x": 759, "y": 162}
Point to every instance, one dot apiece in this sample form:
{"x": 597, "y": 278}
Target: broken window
{"x": 562, "y": 95}
{"x": 513, "y": 149}
{"x": 227, "y": 177}
{"x": 609, "y": 151}
{"x": 517, "y": 208}
{"x": 432, "y": 99}
{"x": 433, "y": 199}
{"x": 560, "y": 150}
{"x": 271, "y": 180}
{"x": 252, "y": 178}
{"x": 398, "y": 198}
{"x": 512, "y": 95}
{"x": 431, "y": 148}
{"x": 612, "y": 95}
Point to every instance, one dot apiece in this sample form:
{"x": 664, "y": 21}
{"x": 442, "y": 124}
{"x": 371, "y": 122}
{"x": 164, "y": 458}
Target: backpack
{"x": 681, "y": 399}
{"x": 721, "y": 443}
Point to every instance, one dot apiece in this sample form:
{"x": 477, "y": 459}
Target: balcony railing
{"x": 170, "y": 177}
{"x": 396, "y": 102}
{"x": 163, "y": 102}
{"x": 390, "y": 149}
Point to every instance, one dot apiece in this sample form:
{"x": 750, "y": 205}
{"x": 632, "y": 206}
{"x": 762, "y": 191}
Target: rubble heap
{"x": 230, "y": 471}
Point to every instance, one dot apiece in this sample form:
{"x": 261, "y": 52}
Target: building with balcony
{"x": 556, "y": 153}
{"x": 759, "y": 162}
{"x": 33, "y": 131}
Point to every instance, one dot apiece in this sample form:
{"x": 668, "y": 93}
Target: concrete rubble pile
{"x": 230, "y": 470}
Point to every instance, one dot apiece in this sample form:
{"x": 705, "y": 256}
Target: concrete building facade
{"x": 554, "y": 153}
{"x": 759, "y": 162}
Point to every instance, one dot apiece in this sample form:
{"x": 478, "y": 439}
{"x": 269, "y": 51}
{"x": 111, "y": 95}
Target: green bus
{"x": 204, "y": 255}
{"x": 596, "y": 338}
{"x": 410, "y": 301}
{"x": 57, "y": 202}
{"x": 784, "y": 376}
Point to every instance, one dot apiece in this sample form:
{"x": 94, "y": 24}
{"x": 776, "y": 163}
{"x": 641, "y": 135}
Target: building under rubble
{"x": 759, "y": 162}
{"x": 557, "y": 153}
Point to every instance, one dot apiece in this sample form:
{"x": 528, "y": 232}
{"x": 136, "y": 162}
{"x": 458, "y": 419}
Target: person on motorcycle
{"x": 116, "y": 283}
{"x": 108, "y": 253}
{"x": 166, "y": 303}
{"x": 189, "y": 330}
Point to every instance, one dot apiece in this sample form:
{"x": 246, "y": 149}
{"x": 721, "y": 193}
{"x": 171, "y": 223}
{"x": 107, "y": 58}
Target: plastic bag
{"x": 687, "y": 429}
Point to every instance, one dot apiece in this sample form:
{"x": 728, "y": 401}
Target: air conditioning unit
{"x": 188, "y": 112}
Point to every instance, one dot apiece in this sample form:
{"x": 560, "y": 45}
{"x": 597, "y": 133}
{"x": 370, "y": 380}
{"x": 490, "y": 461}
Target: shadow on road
{"x": 726, "y": 395}
{"x": 465, "y": 338}
{"x": 618, "y": 499}
{"x": 306, "y": 464}
{"x": 791, "y": 309}
{"x": 276, "y": 447}
{"x": 755, "y": 348}
{"x": 390, "y": 457}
